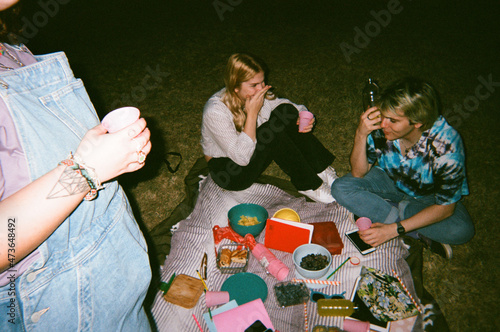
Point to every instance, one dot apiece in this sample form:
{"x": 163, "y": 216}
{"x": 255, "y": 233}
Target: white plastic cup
{"x": 120, "y": 118}
{"x": 304, "y": 119}
{"x": 213, "y": 298}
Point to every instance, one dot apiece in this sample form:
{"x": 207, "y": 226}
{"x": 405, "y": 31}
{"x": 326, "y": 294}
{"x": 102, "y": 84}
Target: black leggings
{"x": 300, "y": 155}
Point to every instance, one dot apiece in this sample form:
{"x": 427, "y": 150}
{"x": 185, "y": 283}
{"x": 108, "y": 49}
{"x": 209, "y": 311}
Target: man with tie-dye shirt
{"x": 419, "y": 177}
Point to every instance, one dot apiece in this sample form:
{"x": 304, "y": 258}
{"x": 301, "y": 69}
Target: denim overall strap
{"x": 93, "y": 271}
{"x": 43, "y": 88}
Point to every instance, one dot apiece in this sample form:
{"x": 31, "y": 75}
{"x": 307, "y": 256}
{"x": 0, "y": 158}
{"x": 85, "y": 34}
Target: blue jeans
{"x": 375, "y": 196}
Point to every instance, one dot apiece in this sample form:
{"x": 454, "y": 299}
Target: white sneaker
{"x": 328, "y": 176}
{"x": 323, "y": 194}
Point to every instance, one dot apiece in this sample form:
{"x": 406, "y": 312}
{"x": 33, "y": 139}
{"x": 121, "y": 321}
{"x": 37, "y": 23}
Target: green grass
{"x": 451, "y": 45}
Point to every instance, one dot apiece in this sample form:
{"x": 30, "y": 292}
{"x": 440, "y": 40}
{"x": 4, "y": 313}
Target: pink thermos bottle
{"x": 267, "y": 259}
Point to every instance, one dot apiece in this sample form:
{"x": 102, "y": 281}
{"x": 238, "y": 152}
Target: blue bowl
{"x": 248, "y": 210}
{"x": 308, "y": 249}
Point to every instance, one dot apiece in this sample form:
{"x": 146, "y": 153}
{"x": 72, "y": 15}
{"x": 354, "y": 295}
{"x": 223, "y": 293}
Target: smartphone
{"x": 363, "y": 313}
{"x": 363, "y": 247}
{"x": 258, "y": 326}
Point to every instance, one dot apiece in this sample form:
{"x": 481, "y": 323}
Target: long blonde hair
{"x": 240, "y": 68}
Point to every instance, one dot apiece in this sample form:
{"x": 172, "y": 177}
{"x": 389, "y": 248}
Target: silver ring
{"x": 141, "y": 157}
{"x": 368, "y": 117}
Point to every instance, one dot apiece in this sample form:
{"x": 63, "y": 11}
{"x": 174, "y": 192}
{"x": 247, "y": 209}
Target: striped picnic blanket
{"x": 194, "y": 237}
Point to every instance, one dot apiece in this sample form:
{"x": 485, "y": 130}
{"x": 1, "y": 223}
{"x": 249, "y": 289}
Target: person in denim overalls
{"x": 69, "y": 263}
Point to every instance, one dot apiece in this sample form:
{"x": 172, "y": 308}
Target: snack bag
{"x": 384, "y": 296}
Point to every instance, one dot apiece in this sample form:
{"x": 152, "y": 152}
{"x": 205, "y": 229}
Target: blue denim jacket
{"x": 93, "y": 271}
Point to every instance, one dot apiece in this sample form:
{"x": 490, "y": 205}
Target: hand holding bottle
{"x": 370, "y": 93}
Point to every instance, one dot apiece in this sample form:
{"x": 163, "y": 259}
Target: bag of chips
{"x": 384, "y": 296}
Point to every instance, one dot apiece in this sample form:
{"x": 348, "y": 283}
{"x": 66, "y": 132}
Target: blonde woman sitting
{"x": 245, "y": 127}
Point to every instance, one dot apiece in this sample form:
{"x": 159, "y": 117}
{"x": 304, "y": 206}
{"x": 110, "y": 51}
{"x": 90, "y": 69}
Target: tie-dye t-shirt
{"x": 433, "y": 166}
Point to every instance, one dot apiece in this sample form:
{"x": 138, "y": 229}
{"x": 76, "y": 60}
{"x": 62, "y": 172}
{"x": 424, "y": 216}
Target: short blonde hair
{"x": 417, "y": 99}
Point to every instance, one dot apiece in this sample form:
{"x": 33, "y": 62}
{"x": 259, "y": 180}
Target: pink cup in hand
{"x": 363, "y": 223}
{"x": 120, "y": 118}
{"x": 216, "y": 298}
{"x": 304, "y": 119}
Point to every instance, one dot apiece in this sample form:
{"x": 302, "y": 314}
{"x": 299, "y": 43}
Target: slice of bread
{"x": 225, "y": 257}
{"x": 239, "y": 256}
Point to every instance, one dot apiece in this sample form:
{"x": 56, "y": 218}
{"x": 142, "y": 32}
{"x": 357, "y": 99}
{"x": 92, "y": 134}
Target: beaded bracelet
{"x": 87, "y": 172}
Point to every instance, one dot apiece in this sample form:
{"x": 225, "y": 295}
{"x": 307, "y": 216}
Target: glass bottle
{"x": 370, "y": 93}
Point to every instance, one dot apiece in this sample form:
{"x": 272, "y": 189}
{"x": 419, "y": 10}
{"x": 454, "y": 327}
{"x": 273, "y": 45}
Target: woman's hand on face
{"x": 369, "y": 121}
{"x": 254, "y": 103}
{"x": 378, "y": 233}
{"x": 113, "y": 154}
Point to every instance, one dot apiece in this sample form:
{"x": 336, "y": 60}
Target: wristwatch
{"x": 401, "y": 229}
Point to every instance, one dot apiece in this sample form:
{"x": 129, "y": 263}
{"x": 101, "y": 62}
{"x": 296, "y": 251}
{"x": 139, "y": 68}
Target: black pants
{"x": 300, "y": 155}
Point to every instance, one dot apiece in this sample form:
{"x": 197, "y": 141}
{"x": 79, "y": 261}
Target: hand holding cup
{"x": 306, "y": 120}
{"x": 363, "y": 223}
{"x": 121, "y": 152}
{"x": 120, "y": 118}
